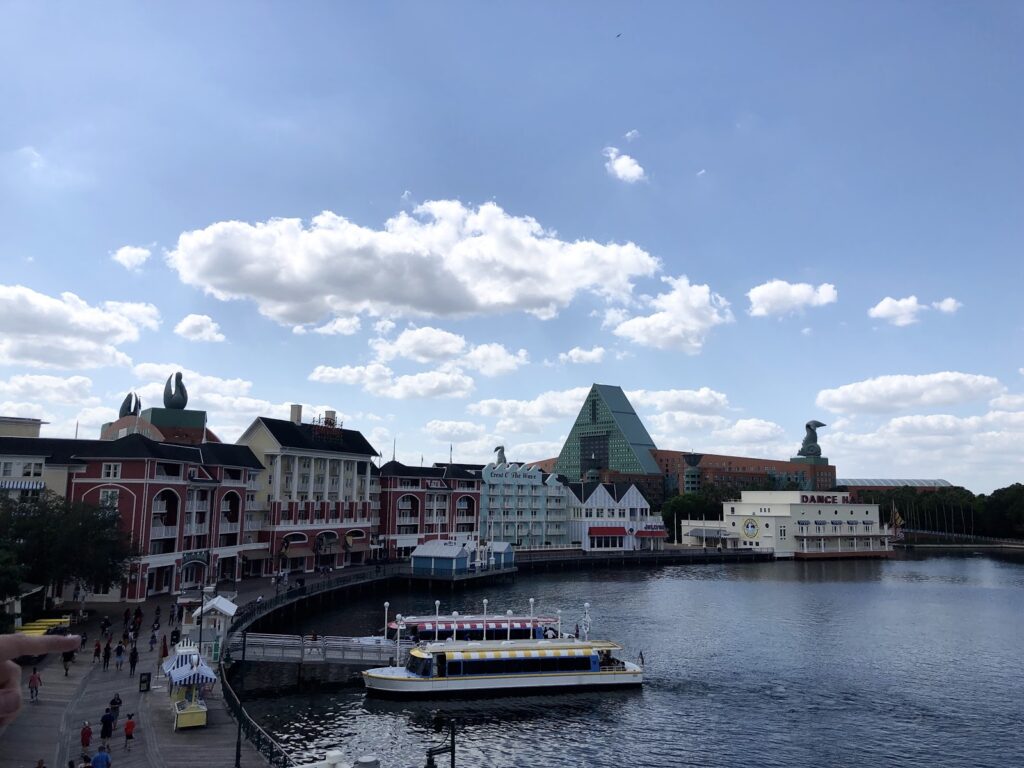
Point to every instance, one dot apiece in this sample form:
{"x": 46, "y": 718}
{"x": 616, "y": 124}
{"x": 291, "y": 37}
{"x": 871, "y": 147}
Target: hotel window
{"x": 111, "y": 471}
{"x": 782, "y": 531}
{"x": 108, "y": 498}
{"x": 32, "y": 469}
{"x": 6, "y": 468}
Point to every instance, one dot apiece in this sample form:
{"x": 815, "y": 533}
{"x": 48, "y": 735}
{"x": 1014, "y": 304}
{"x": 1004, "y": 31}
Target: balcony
{"x": 197, "y": 529}
{"x": 164, "y": 477}
{"x": 163, "y": 532}
{"x": 226, "y": 527}
{"x": 465, "y": 518}
{"x": 402, "y": 520}
{"x": 159, "y": 507}
{"x": 197, "y": 506}
{"x": 255, "y": 523}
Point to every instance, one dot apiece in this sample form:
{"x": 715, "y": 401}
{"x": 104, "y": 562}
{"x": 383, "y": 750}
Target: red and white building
{"x": 613, "y": 517}
{"x": 316, "y": 503}
{"x": 420, "y": 504}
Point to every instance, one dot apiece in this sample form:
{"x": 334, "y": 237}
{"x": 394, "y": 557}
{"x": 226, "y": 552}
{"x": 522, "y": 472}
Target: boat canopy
{"x": 519, "y": 654}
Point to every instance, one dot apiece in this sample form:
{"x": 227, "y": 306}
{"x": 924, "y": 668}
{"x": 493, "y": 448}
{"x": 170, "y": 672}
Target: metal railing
{"x": 261, "y": 741}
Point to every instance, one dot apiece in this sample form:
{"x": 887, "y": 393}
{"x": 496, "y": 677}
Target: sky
{"x": 445, "y": 221}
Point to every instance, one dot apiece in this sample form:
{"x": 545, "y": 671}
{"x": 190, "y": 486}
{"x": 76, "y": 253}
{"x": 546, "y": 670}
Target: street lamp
{"x": 485, "y": 618}
{"x": 559, "y": 613}
{"x": 455, "y": 625}
{"x": 508, "y": 614}
{"x": 386, "y": 606}
{"x": 398, "y": 639}
{"x": 437, "y": 618}
{"x": 531, "y": 617}
{"x": 202, "y": 606}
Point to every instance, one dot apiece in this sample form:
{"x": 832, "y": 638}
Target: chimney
{"x": 330, "y": 418}
{"x": 296, "y": 413}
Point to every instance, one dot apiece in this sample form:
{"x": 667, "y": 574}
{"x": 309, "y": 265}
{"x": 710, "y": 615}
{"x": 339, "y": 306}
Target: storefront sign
{"x": 195, "y": 556}
{"x": 812, "y": 499}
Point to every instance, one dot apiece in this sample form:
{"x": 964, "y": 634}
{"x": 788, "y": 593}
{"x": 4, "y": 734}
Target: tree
{"x": 61, "y": 542}
{"x": 10, "y": 585}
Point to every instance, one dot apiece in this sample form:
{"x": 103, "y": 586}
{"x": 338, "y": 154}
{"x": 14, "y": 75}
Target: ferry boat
{"x": 505, "y": 667}
{"x": 476, "y": 627}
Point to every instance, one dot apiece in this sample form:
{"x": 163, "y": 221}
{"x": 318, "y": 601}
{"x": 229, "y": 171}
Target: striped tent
{"x": 444, "y": 625}
{"x": 199, "y": 675}
{"x": 523, "y": 654}
{"x": 22, "y": 485}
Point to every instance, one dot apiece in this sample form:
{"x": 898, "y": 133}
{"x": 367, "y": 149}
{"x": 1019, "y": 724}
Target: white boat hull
{"x": 398, "y": 682}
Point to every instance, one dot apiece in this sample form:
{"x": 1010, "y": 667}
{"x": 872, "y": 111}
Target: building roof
{"x": 58, "y": 450}
{"x": 894, "y": 483}
{"x": 584, "y": 491}
{"x": 229, "y": 455}
{"x": 440, "y": 548}
{"x": 314, "y": 437}
{"x": 438, "y": 471}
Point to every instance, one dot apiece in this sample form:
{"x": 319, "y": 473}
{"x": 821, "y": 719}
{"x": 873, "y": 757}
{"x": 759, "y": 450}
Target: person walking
{"x": 129, "y": 732}
{"x": 152, "y": 642}
{"x": 163, "y": 648}
{"x": 115, "y": 708}
{"x": 102, "y": 759}
{"x": 133, "y": 660}
{"x": 119, "y": 656}
{"x": 86, "y": 735}
{"x": 34, "y": 681}
{"x": 66, "y": 658}
{"x": 106, "y": 727}
{"x": 96, "y": 651}
{"x": 106, "y": 656}
{"x": 85, "y": 638}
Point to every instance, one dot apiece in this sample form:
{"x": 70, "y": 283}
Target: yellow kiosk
{"x": 189, "y": 677}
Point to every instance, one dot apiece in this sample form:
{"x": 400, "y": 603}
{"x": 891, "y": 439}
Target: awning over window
{"x": 22, "y": 485}
{"x": 652, "y": 534}
{"x": 297, "y": 552}
{"x": 256, "y": 554}
{"x": 607, "y": 530}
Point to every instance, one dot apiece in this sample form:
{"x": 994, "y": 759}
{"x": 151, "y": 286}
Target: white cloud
{"x": 384, "y": 326}
{"x": 777, "y": 297}
{"x": 199, "y": 328}
{"x": 537, "y": 450}
{"x": 948, "y": 305}
{"x": 684, "y": 317}
{"x": 749, "y": 431}
{"x": 379, "y": 379}
{"x": 25, "y": 410}
{"x": 623, "y": 167}
{"x": 531, "y": 415}
{"x": 49, "y": 389}
{"x": 806, "y": 331}
{"x": 632, "y": 135}
{"x": 670, "y": 423}
{"x": 703, "y": 400}
{"x": 42, "y": 331}
{"x": 614, "y": 316}
{"x": 580, "y": 355}
{"x": 453, "y": 260}
{"x": 1008, "y": 403}
{"x": 131, "y": 257}
{"x": 899, "y": 392}
{"x": 453, "y": 431}
{"x": 424, "y": 345}
{"x": 898, "y": 312}
{"x": 701, "y": 172}
{"x": 339, "y": 326}
{"x": 493, "y": 359}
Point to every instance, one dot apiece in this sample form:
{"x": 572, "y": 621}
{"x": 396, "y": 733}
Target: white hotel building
{"x": 797, "y": 524}
{"x": 523, "y": 506}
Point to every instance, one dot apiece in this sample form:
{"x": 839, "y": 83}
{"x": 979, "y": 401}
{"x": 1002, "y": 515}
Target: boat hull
{"x": 397, "y": 686}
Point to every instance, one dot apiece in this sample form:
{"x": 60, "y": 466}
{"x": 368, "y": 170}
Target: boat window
{"x": 419, "y": 666}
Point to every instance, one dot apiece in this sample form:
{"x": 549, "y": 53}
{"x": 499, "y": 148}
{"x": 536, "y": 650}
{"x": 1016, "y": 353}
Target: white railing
{"x": 226, "y": 527}
{"x": 255, "y": 523}
{"x": 197, "y": 529}
{"x": 163, "y": 532}
{"x": 167, "y": 478}
{"x": 159, "y": 507}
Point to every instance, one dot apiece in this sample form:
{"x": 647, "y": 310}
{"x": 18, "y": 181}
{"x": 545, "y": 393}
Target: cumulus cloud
{"x": 384, "y": 326}
{"x": 41, "y": 331}
{"x": 1008, "y": 403}
{"x": 632, "y": 134}
{"x": 673, "y": 422}
{"x": 199, "y": 328}
{"x": 623, "y": 167}
{"x": 749, "y": 431}
{"x": 580, "y": 355}
{"x": 777, "y": 297}
{"x": 424, "y": 345}
{"x": 339, "y": 326}
{"x": 454, "y": 260}
{"x": 131, "y": 257}
{"x": 493, "y": 359}
{"x": 531, "y": 415}
{"x": 898, "y": 312}
{"x": 379, "y": 379}
{"x": 703, "y": 400}
{"x": 683, "y": 318}
{"x": 948, "y": 305}
{"x": 49, "y": 389}
{"x": 901, "y": 392}
{"x": 453, "y": 431}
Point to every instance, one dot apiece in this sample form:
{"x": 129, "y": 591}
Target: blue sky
{"x": 446, "y": 220}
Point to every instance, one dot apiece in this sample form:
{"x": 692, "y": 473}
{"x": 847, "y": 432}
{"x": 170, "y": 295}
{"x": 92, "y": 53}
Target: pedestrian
{"x": 66, "y": 658}
{"x": 86, "y": 735}
{"x": 127, "y": 617}
{"x": 157, "y": 613}
{"x": 106, "y": 726}
{"x": 119, "y": 656}
{"x": 34, "y": 681}
{"x": 181, "y": 613}
{"x": 163, "y": 648}
{"x": 96, "y": 651}
{"x": 102, "y": 759}
{"x": 85, "y": 637}
{"x": 86, "y": 762}
{"x": 129, "y": 732}
{"x": 133, "y": 660}
{"x": 115, "y": 708}
{"x": 106, "y": 656}
{"x": 152, "y": 642}
{"x": 156, "y": 625}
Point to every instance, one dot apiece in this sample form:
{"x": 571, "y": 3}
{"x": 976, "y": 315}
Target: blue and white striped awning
{"x": 192, "y": 675}
{"x": 22, "y": 485}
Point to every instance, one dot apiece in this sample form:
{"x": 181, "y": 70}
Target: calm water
{"x": 906, "y": 662}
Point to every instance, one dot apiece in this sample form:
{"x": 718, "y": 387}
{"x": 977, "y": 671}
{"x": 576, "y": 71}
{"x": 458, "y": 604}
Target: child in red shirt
{"x": 129, "y": 731}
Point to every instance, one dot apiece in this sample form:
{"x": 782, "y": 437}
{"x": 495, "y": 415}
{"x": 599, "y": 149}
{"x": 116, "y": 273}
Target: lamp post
{"x": 455, "y": 625}
{"x": 386, "y": 606}
{"x": 485, "y": 618}
{"x": 398, "y": 639}
{"x": 531, "y": 617}
{"x": 508, "y": 615}
{"x": 559, "y": 613}
{"x": 437, "y": 618}
{"x": 202, "y": 606}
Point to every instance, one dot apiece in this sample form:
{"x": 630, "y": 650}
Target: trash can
{"x": 144, "y": 681}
